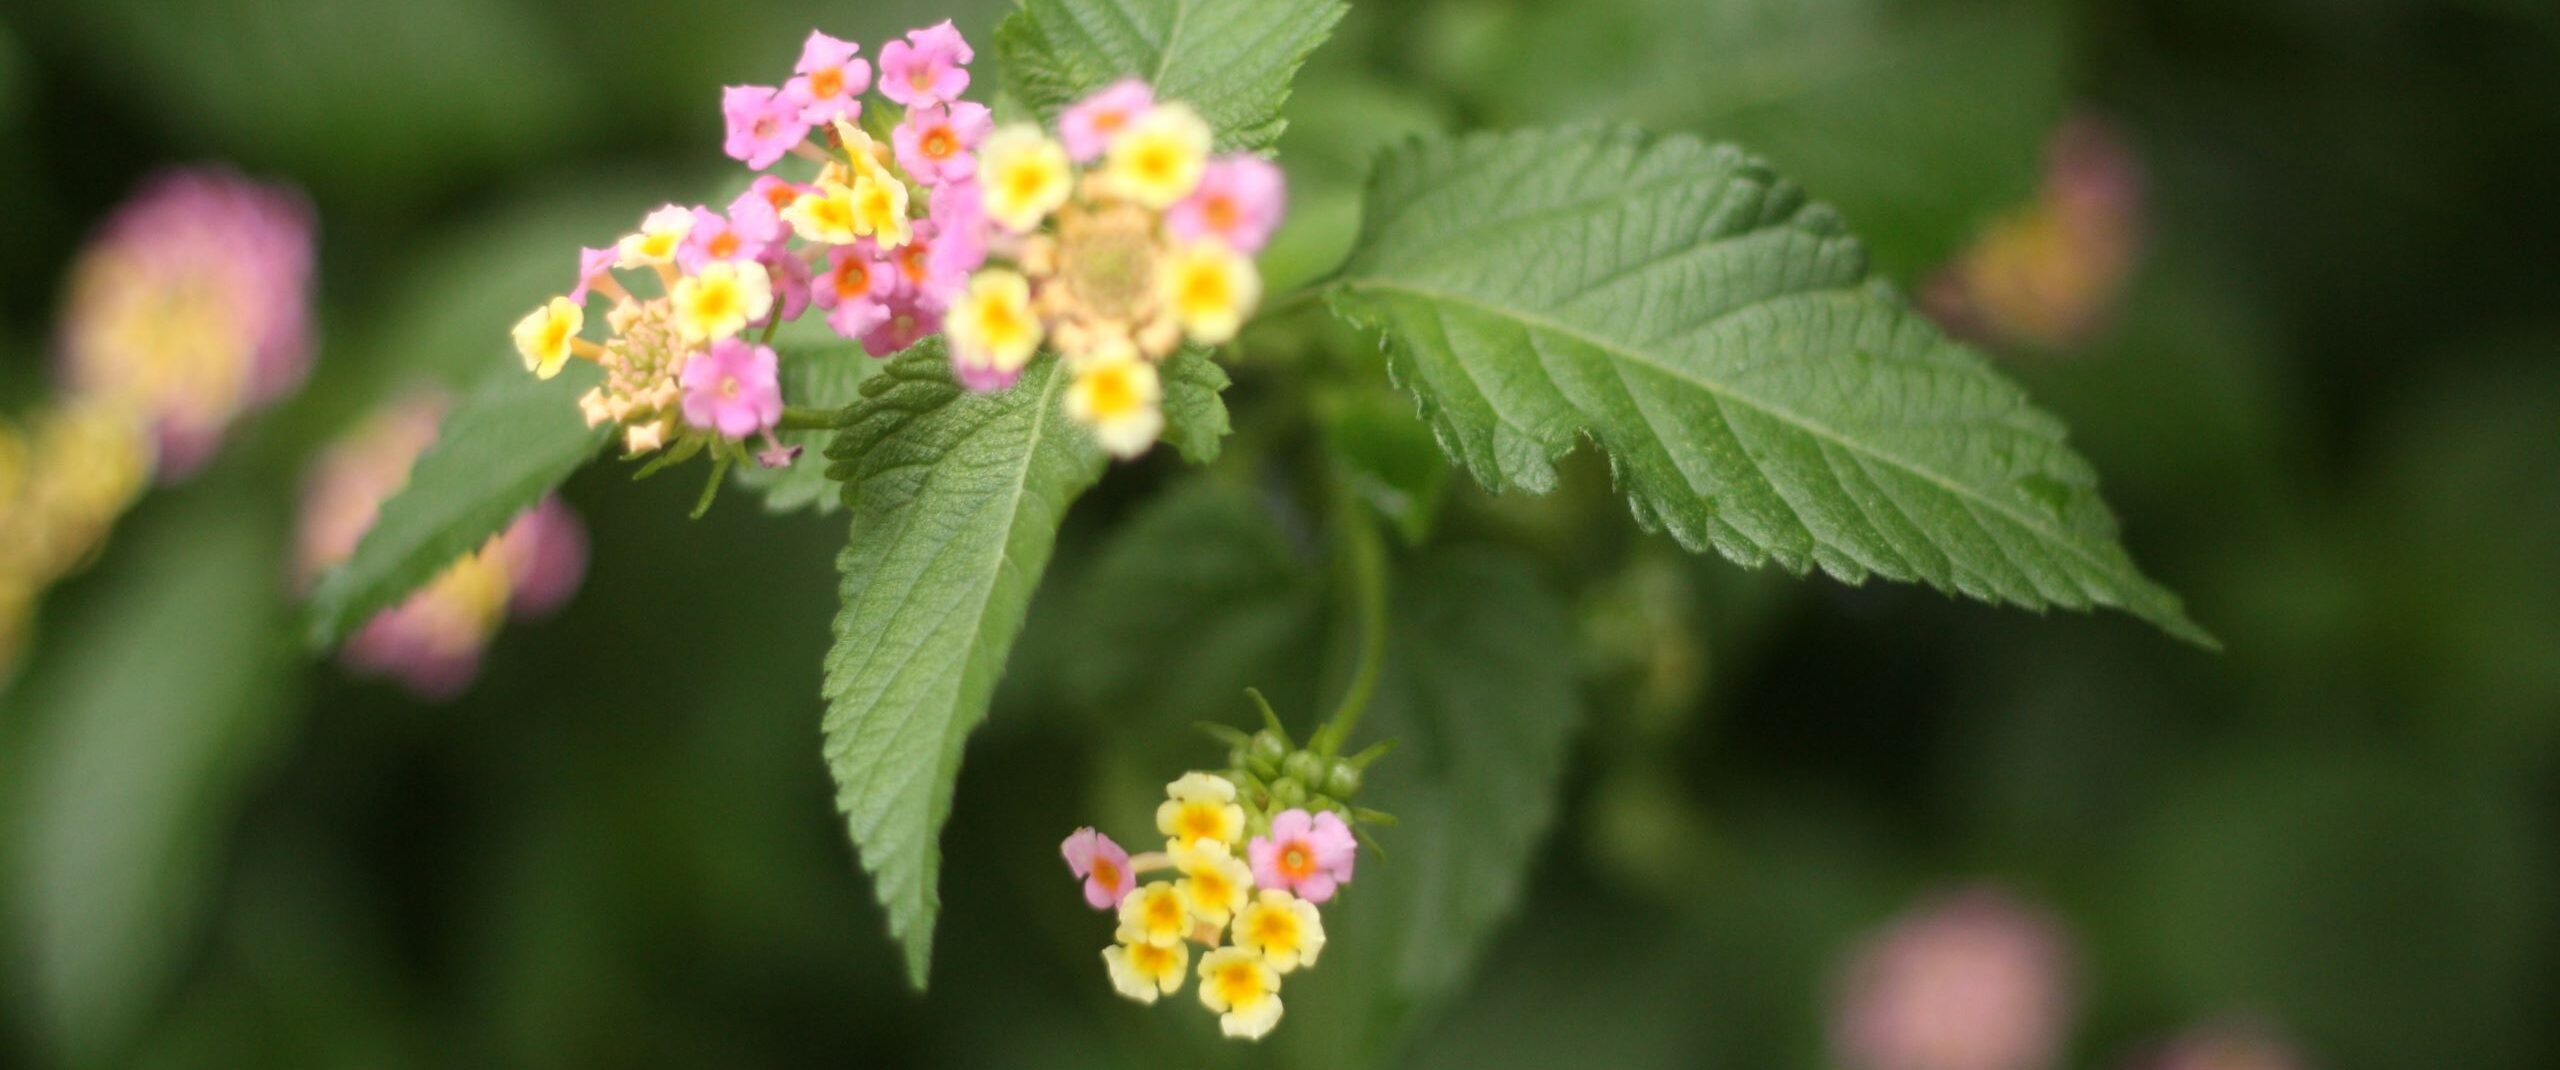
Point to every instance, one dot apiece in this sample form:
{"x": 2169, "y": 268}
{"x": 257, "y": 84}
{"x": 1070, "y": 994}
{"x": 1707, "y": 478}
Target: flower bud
{"x": 1304, "y": 767}
{"x": 1288, "y": 793}
{"x": 1342, "y": 781}
{"x": 1269, "y": 747}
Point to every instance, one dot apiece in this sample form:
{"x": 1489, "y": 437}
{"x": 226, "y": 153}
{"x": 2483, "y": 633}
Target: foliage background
{"x": 2325, "y": 415}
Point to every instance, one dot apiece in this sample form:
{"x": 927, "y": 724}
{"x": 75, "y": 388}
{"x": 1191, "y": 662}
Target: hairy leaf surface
{"x": 1715, "y": 331}
{"x": 1232, "y": 59}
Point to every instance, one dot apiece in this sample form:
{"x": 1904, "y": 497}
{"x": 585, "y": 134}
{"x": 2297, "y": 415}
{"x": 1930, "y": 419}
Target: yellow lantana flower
{"x": 1142, "y": 971}
{"x": 1159, "y": 159}
{"x": 993, "y": 325}
{"x": 1154, "y": 914}
{"x": 825, "y": 215}
{"x": 1214, "y": 881}
{"x": 1282, "y": 928}
{"x": 1242, "y": 989}
{"x": 721, "y": 299}
{"x": 1025, "y": 177}
{"x": 661, "y": 234}
{"x": 544, "y": 337}
{"x": 1119, "y": 397}
{"x": 1201, "y": 806}
{"x": 1210, "y": 289}
{"x": 880, "y": 211}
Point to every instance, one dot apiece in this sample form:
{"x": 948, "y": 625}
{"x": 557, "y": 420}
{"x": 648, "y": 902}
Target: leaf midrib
{"x": 1725, "y": 392}
{"x": 1004, "y": 545}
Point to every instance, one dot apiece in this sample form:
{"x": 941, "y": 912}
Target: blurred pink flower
{"x": 912, "y": 315}
{"x": 958, "y": 219}
{"x": 1088, "y": 125}
{"x": 190, "y": 307}
{"x": 831, "y": 81}
{"x": 930, "y": 67}
{"x": 763, "y": 127}
{"x": 1974, "y": 980}
{"x": 1239, "y": 202}
{"x": 2226, "y": 1046}
{"x": 938, "y": 144}
{"x": 2050, "y": 275}
{"x": 432, "y": 642}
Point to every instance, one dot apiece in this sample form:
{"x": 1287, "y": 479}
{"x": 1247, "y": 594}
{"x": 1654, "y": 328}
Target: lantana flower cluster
{"x": 432, "y": 642}
{"x": 189, "y": 308}
{"x": 912, "y": 214}
{"x": 1249, "y": 856}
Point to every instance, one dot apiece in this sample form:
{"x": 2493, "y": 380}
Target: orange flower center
{"x": 826, "y": 83}
{"x": 1222, "y": 213}
{"x": 1297, "y": 862}
{"x": 780, "y": 195}
{"x": 940, "y": 143}
{"x": 911, "y": 260}
{"x": 1106, "y": 872}
{"x": 1110, "y": 122}
{"x": 724, "y": 246}
{"x": 852, "y": 279}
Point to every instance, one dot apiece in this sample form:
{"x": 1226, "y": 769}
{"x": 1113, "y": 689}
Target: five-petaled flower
{"x": 1103, "y": 865}
{"x": 1310, "y": 854}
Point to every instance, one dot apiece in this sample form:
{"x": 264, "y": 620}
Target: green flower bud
{"x": 1342, "y": 781}
{"x": 1287, "y": 793}
{"x": 1304, "y": 767}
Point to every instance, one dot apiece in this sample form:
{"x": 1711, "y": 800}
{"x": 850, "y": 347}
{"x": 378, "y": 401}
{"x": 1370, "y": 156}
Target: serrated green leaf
{"x": 817, "y": 377}
{"x": 167, "y": 697}
{"x": 1231, "y": 59}
{"x": 956, "y": 499}
{"x": 1195, "y": 410}
{"x": 509, "y": 442}
{"x": 1919, "y": 120}
{"x": 1479, "y": 693}
{"x": 1715, "y": 331}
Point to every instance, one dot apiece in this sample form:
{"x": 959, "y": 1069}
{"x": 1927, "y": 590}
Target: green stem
{"x": 1295, "y": 299}
{"x": 1366, "y": 555}
{"x": 801, "y": 418}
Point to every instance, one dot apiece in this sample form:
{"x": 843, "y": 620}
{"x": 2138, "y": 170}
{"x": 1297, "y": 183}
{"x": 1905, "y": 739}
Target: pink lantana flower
{"x": 763, "y": 127}
{"x": 756, "y": 218}
{"x": 788, "y": 275}
{"x": 734, "y": 389}
{"x": 713, "y": 238}
{"x": 831, "y": 81}
{"x": 1239, "y": 202}
{"x": 929, "y": 67}
{"x": 958, "y": 223}
{"x": 595, "y": 271}
{"x": 1309, "y": 854}
{"x": 1103, "y": 865}
{"x": 913, "y": 314}
{"x": 1088, "y": 126}
{"x": 938, "y": 144}
{"x": 777, "y": 194}
{"x": 852, "y": 289}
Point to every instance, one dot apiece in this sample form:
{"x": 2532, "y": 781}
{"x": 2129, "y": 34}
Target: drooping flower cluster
{"x": 189, "y": 308}
{"x": 908, "y": 213}
{"x": 432, "y": 642}
{"x": 1249, "y": 854}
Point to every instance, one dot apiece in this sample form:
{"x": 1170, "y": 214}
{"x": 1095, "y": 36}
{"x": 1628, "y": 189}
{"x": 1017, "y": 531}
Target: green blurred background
{"x": 2324, "y": 409}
